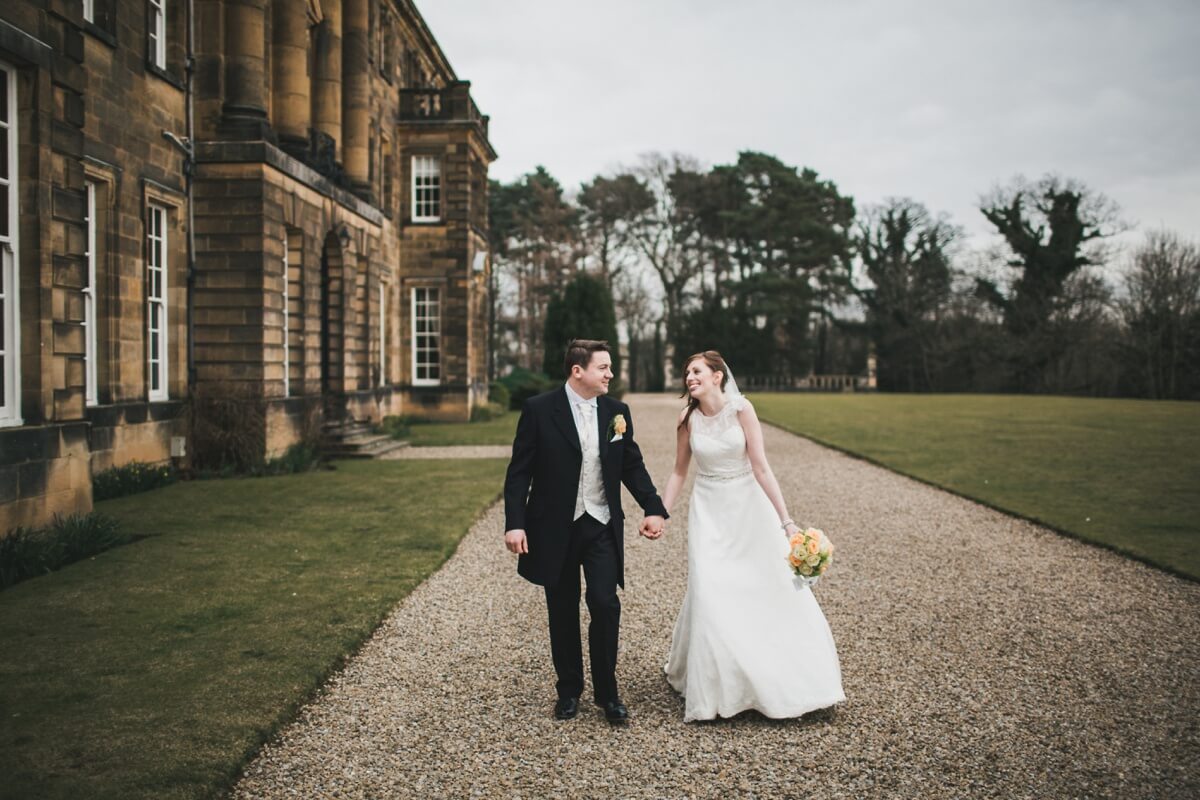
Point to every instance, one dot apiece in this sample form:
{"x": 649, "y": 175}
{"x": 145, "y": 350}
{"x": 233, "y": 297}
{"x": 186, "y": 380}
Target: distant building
{"x": 321, "y": 257}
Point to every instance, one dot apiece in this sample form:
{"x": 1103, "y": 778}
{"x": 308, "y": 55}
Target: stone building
{"x": 263, "y": 212}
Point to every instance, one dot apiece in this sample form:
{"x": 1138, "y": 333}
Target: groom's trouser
{"x": 593, "y": 547}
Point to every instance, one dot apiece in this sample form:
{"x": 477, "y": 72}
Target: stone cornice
{"x": 461, "y": 124}
{"x": 267, "y": 153}
{"x": 19, "y": 43}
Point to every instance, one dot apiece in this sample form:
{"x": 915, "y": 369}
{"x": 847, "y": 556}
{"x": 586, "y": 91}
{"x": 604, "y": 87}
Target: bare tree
{"x": 1161, "y": 310}
{"x": 640, "y": 317}
{"x": 536, "y": 249}
{"x": 666, "y": 234}
{"x": 1052, "y": 228}
{"x": 608, "y": 208}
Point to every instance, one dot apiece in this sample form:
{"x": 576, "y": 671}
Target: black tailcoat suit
{"x": 540, "y": 490}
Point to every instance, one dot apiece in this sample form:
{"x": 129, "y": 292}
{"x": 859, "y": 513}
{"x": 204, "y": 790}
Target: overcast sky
{"x": 933, "y": 99}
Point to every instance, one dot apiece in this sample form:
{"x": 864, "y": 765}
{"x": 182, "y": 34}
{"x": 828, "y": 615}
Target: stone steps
{"x": 356, "y": 439}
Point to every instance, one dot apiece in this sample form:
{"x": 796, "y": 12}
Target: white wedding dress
{"x": 745, "y": 637}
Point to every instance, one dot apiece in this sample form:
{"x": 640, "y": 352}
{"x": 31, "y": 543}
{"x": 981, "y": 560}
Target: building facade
{"x": 261, "y": 213}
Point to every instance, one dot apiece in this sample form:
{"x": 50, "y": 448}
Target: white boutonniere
{"x": 616, "y": 428}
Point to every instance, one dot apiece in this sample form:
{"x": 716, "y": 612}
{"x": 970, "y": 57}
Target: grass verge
{"x": 498, "y": 431}
{"x": 158, "y": 669}
{"x": 1119, "y": 473}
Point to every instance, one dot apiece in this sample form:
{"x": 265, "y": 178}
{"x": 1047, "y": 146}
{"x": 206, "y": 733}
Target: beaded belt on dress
{"x": 725, "y": 476}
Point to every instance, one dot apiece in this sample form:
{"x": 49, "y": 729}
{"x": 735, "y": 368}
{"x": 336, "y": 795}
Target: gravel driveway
{"x": 982, "y": 656}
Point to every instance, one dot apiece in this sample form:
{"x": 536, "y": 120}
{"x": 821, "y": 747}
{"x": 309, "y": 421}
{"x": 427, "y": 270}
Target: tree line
{"x": 778, "y": 268}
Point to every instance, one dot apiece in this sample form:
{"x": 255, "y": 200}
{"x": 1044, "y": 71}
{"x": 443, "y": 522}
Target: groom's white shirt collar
{"x": 575, "y": 399}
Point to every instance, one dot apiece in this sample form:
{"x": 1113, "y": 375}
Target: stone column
{"x": 327, "y": 77}
{"x": 244, "y": 113}
{"x": 356, "y": 99}
{"x": 291, "y": 104}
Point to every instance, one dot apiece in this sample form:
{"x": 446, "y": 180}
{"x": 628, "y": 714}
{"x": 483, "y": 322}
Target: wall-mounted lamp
{"x": 344, "y": 236}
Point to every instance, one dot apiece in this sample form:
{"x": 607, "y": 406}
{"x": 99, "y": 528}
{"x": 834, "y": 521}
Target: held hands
{"x": 652, "y": 527}
{"x": 515, "y": 541}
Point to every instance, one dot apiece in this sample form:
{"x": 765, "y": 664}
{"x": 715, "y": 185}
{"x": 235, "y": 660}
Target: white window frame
{"x": 10, "y": 286}
{"x": 91, "y": 393}
{"x": 426, "y": 189}
{"x": 157, "y": 309}
{"x": 156, "y": 33}
{"x": 287, "y": 353}
{"x": 89, "y": 10}
{"x": 426, "y": 372}
{"x": 383, "y": 329}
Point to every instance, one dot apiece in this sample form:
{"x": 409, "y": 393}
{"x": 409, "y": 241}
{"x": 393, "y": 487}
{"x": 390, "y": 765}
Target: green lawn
{"x": 439, "y": 434}
{"x": 1123, "y": 473}
{"x": 158, "y": 668}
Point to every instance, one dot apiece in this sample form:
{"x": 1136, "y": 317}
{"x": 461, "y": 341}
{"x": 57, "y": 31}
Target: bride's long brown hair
{"x": 717, "y": 364}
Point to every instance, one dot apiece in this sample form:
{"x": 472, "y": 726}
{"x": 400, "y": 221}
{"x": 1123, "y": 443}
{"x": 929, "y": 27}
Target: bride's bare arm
{"x": 683, "y": 457}
{"x": 758, "y": 461}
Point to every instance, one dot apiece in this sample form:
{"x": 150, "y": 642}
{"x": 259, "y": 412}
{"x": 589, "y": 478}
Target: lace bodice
{"x": 718, "y": 442}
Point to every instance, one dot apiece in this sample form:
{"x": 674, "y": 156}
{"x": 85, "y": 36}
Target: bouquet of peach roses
{"x": 810, "y": 555}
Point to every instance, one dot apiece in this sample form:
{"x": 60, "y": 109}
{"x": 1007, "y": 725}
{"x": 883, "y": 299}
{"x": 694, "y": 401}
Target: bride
{"x": 745, "y": 637}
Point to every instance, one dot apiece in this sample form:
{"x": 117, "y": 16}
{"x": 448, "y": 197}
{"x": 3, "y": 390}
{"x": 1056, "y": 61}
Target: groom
{"x": 562, "y": 506}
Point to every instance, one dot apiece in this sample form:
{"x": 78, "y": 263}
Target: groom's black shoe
{"x": 616, "y": 712}
{"x": 566, "y": 708}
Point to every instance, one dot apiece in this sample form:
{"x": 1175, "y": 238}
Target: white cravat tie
{"x": 591, "y": 497}
{"x": 587, "y": 414}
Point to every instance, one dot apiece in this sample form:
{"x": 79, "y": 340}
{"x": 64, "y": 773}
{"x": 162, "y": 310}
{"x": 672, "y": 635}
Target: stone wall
{"x": 304, "y": 131}
{"x": 127, "y": 432}
{"x": 44, "y": 471}
{"x": 75, "y": 89}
